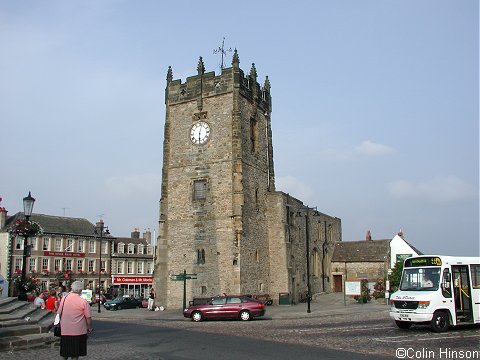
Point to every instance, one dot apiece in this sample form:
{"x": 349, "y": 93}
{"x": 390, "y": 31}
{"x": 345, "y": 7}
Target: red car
{"x": 226, "y": 307}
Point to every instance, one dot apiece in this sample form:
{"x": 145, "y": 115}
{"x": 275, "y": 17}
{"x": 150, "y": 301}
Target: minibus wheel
{"x": 403, "y": 324}
{"x": 439, "y": 321}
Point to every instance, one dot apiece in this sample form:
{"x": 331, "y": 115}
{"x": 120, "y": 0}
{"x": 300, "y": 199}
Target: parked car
{"x": 97, "y": 297}
{"x": 122, "y": 303}
{"x": 226, "y": 307}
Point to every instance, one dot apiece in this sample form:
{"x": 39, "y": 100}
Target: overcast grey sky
{"x": 375, "y": 107}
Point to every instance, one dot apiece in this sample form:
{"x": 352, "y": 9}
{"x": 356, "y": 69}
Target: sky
{"x": 375, "y": 107}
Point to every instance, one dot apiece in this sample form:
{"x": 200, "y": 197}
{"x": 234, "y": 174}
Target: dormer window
{"x": 131, "y": 249}
{"x": 141, "y": 249}
{"x": 121, "y": 248}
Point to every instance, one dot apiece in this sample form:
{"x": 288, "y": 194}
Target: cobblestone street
{"x": 336, "y": 328}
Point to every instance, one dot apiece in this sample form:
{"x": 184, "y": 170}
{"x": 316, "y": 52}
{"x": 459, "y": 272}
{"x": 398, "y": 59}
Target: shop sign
{"x": 63, "y": 254}
{"x": 131, "y": 280}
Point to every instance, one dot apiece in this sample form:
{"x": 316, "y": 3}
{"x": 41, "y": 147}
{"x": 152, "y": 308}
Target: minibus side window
{"x": 446, "y": 284}
{"x": 475, "y": 270}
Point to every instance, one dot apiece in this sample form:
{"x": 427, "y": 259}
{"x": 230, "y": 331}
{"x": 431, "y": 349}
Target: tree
{"x": 396, "y": 276}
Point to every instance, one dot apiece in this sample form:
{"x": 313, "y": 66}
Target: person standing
{"x": 61, "y": 291}
{"x": 75, "y": 322}
{"x": 151, "y": 299}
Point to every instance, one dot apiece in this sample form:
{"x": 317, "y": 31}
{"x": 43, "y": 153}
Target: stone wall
{"x": 360, "y": 270}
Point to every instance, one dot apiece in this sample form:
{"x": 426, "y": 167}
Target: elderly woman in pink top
{"x": 76, "y": 323}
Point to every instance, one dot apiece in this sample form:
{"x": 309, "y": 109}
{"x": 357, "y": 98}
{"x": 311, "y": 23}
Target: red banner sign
{"x": 63, "y": 254}
{"x": 131, "y": 279}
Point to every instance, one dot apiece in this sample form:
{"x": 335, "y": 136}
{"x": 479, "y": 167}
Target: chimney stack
{"x": 135, "y": 234}
{"x": 368, "y": 237}
{"x": 147, "y": 235}
{"x": 3, "y": 215}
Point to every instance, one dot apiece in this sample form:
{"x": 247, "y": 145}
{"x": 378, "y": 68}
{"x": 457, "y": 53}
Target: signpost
{"x": 184, "y": 277}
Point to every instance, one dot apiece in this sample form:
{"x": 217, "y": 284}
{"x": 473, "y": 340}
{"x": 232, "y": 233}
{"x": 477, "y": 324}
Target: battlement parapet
{"x": 207, "y": 84}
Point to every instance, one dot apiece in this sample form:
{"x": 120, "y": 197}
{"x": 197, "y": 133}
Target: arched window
{"x": 200, "y": 256}
{"x": 315, "y": 262}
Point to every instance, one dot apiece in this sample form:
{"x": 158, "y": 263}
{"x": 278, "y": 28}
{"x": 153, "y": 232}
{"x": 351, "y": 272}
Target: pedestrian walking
{"x": 151, "y": 300}
{"x": 75, "y": 323}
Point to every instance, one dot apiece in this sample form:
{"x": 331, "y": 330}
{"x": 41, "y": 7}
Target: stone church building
{"x": 221, "y": 216}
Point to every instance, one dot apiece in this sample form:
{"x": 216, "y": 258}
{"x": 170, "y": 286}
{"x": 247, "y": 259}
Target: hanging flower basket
{"x": 27, "y": 285}
{"x": 26, "y": 228}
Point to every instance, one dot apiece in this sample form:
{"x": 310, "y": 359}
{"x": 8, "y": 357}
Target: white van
{"x": 438, "y": 290}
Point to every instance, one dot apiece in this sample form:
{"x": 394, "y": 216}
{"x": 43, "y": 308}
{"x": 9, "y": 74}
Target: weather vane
{"x": 222, "y": 51}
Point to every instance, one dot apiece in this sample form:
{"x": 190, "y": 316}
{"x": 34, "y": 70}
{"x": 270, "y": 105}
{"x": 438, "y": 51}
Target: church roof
{"x": 362, "y": 251}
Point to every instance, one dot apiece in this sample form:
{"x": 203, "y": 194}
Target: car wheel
{"x": 197, "y": 316}
{"x": 119, "y": 307}
{"x": 245, "y": 315}
{"x": 439, "y": 321}
{"x": 403, "y": 324}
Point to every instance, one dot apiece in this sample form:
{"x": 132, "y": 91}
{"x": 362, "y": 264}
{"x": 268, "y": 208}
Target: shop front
{"x": 136, "y": 286}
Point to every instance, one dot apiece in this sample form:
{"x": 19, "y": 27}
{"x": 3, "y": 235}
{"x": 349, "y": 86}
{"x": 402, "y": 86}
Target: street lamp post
{"x": 307, "y": 244}
{"x": 28, "y": 202}
{"x": 100, "y": 228}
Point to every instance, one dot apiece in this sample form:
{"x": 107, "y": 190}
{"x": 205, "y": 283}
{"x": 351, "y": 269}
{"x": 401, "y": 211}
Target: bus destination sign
{"x": 423, "y": 261}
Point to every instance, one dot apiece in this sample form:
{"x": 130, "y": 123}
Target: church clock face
{"x": 200, "y": 133}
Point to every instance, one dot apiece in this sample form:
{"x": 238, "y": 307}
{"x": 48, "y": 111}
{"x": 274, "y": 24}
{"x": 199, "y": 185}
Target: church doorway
{"x": 337, "y": 283}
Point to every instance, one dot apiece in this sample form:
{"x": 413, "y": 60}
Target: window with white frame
{"x": 18, "y": 264}
{"x": 91, "y": 246}
{"x": 139, "y": 267}
{"x": 69, "y": 246}
{"x": 129, "y": 267}
{"x": 33, "y": 243}
{"x": 46, "y": 244}
{"x": 19, "y": 243}
{"x": 149, "y": 267}
{"x": 91, "y": 265}
{"x": 45, "y": 264}
{"x": 32, "y": 264}
{"x": 44, "y": 285}
{"x": 119, "y": 267}
{"x": 104, "y": 247}
{"x": 141, "y": 249}
{"x": 149, "y": 250}
{"x": 58, "y": 244}
{"x": 80, "y": 245}
{"x": 57, "y": 264}
{"x": 131, "y": 249}
{"x": 103, "y": 265}
{"x": 121, "y": 248}
{"x": 80, "y": 265}
{"x": 68, "y": 265}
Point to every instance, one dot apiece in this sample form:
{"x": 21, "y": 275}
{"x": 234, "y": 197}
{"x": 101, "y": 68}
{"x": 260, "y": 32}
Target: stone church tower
{"x": 220, "y": 216}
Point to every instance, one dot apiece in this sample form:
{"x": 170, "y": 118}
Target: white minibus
{"x": 438, "y": 290}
